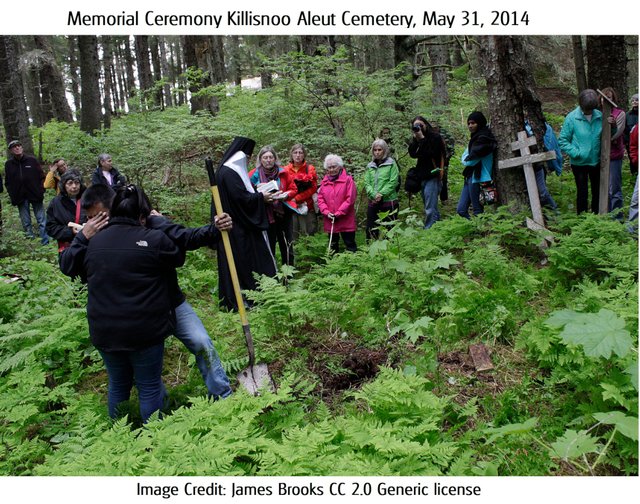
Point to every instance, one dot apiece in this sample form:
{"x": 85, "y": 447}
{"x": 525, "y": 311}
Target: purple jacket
{"x": 339, "y": 198}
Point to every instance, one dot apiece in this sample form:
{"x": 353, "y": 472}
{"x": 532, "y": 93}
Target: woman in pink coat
{"x": 336, "y": 201}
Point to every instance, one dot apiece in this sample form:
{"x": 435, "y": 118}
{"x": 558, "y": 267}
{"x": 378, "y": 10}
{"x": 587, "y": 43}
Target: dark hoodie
{"x": 481, "y": 143}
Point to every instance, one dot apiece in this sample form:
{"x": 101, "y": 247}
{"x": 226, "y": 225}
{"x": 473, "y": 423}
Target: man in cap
{"x": 24, "y": 179}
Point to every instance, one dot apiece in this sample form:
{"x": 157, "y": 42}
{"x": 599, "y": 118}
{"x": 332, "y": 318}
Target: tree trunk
{"x": 179, "y": 70}
{"x": 456, "y": 53}
{"x": 607, "y": 64}
{"x": 157, "y": 71}
{"x": 15, "y": 118}
{"x": 90, "y": 84}
{"x": 578, "y": 59}
{"x": 235, "y": 65}
{"x": 52, "y": 81}
{"x": 131, "y": 80}
{"x": 144, "y": 67}
{"x": 31, "y": 81}
{"x": 439, "y": 57}
{"x": 403, "y": 56}
{"x": 189, "y": 48}
{"x": 218, "y": 71}
{"x": 73, "y": 73}
{"x": 511, "y": 90}
{"x": 107, "y": 56}
{"x": 165, "y": 72}
{"x": 266, "y": 79}
{"x": 121, "y": 75}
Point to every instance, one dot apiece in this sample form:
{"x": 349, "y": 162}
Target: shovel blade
{"x": 255, "y": 378}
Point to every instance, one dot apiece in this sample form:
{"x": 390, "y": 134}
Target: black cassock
{"x": 246, "y": 207}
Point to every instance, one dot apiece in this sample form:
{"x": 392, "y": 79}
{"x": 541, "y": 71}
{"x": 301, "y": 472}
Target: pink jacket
{"x": 339, "y": 198}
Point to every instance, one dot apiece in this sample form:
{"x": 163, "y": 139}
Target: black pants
{"x": 373, "y": 210}
{"x": 349, "y": 239}
{"x": 584, "y": 175}
{"x": 281, "y": 231}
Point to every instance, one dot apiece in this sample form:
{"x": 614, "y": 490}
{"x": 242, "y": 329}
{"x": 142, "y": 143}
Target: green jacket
{"x": 382, "y": 179}
{"x": 580, "y": 139}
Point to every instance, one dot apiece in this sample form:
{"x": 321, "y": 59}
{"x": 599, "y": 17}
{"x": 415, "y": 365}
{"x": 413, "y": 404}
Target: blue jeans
{"x": 25, "y": 219}
{"x": 430, "y": 193}
{"x": 142, "y": 366}
{"x": 192, "y": 333}
{"x": 470, "y": 195}
{"x": 543, "y": 192}
{"x": 615, "y": 186}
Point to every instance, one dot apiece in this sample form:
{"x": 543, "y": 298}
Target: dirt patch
{"x": 342, "y": 365}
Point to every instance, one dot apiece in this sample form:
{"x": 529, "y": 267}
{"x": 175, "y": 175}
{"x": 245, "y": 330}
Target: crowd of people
{"x": 108, "y": 235}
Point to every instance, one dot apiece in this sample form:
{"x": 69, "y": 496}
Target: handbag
{"x": 413, "y": 181}
{"x": 488, "y": 193}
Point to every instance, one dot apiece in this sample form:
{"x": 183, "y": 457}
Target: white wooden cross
{"x": 526, "y": 160}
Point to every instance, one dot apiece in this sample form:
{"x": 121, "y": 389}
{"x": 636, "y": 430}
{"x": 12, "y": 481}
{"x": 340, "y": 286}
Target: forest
{"x": 372, "y": 353}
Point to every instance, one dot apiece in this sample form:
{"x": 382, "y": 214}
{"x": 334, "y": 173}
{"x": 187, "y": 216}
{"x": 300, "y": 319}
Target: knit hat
{"x": 13, "y": 143}
{"x": 71, "y": 174}
{"x": 634, "y": 97}
{"x": 478, "y": 118}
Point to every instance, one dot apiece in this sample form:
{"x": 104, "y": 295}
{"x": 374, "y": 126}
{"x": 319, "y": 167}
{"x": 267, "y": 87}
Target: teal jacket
{"x": 382, "y": 179}
{"x": 580, "y": 139}
{"x": 485, "y": 170}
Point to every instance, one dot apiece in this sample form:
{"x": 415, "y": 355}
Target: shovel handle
{"x": 232, "y": 265}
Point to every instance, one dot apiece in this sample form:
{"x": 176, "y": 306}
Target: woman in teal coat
{"x": 580, "y": 140}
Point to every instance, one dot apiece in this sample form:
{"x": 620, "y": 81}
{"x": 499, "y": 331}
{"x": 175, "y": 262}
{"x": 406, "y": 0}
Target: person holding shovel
{"x": 249, "y": 239}
{"x": 336, "y": 200}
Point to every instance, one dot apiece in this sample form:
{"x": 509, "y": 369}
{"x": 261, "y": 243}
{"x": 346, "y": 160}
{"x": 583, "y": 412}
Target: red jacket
{"x": 339, "y": 198}
{"x": 308, "y": 174}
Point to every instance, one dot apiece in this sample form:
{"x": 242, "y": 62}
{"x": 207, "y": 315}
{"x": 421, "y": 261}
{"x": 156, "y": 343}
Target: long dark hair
{"x": 130, "y": 201}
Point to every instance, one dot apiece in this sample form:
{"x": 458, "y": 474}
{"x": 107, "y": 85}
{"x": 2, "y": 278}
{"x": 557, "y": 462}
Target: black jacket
{"x": 481, "y": 143}
{"x": 429, "y": 152}
{"x": 185, "y": 239}
{"x": 60, "y": 212}
{"x": 127, "y": 268}
{"x": 24, "y": 179}
{"x": 118, "y": 178}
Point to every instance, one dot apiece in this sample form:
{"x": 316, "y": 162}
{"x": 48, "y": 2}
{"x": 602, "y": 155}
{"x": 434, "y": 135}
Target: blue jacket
{"x": 580, "y": 138}
{"x": 485, "y": 171}
{"x": 551, "y": 144}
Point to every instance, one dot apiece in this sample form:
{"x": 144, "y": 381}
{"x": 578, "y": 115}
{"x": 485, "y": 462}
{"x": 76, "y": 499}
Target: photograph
{"x": 317, "y": 257}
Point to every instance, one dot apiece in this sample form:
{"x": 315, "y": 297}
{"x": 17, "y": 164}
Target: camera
{"x": 415, "y": 127}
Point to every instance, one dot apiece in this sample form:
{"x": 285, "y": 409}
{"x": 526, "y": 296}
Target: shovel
{"x": 255, "y": 376}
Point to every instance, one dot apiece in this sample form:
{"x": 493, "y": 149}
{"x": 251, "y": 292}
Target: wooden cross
{"x": 526, "y": 160}
{"x": 605, "y": 154}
